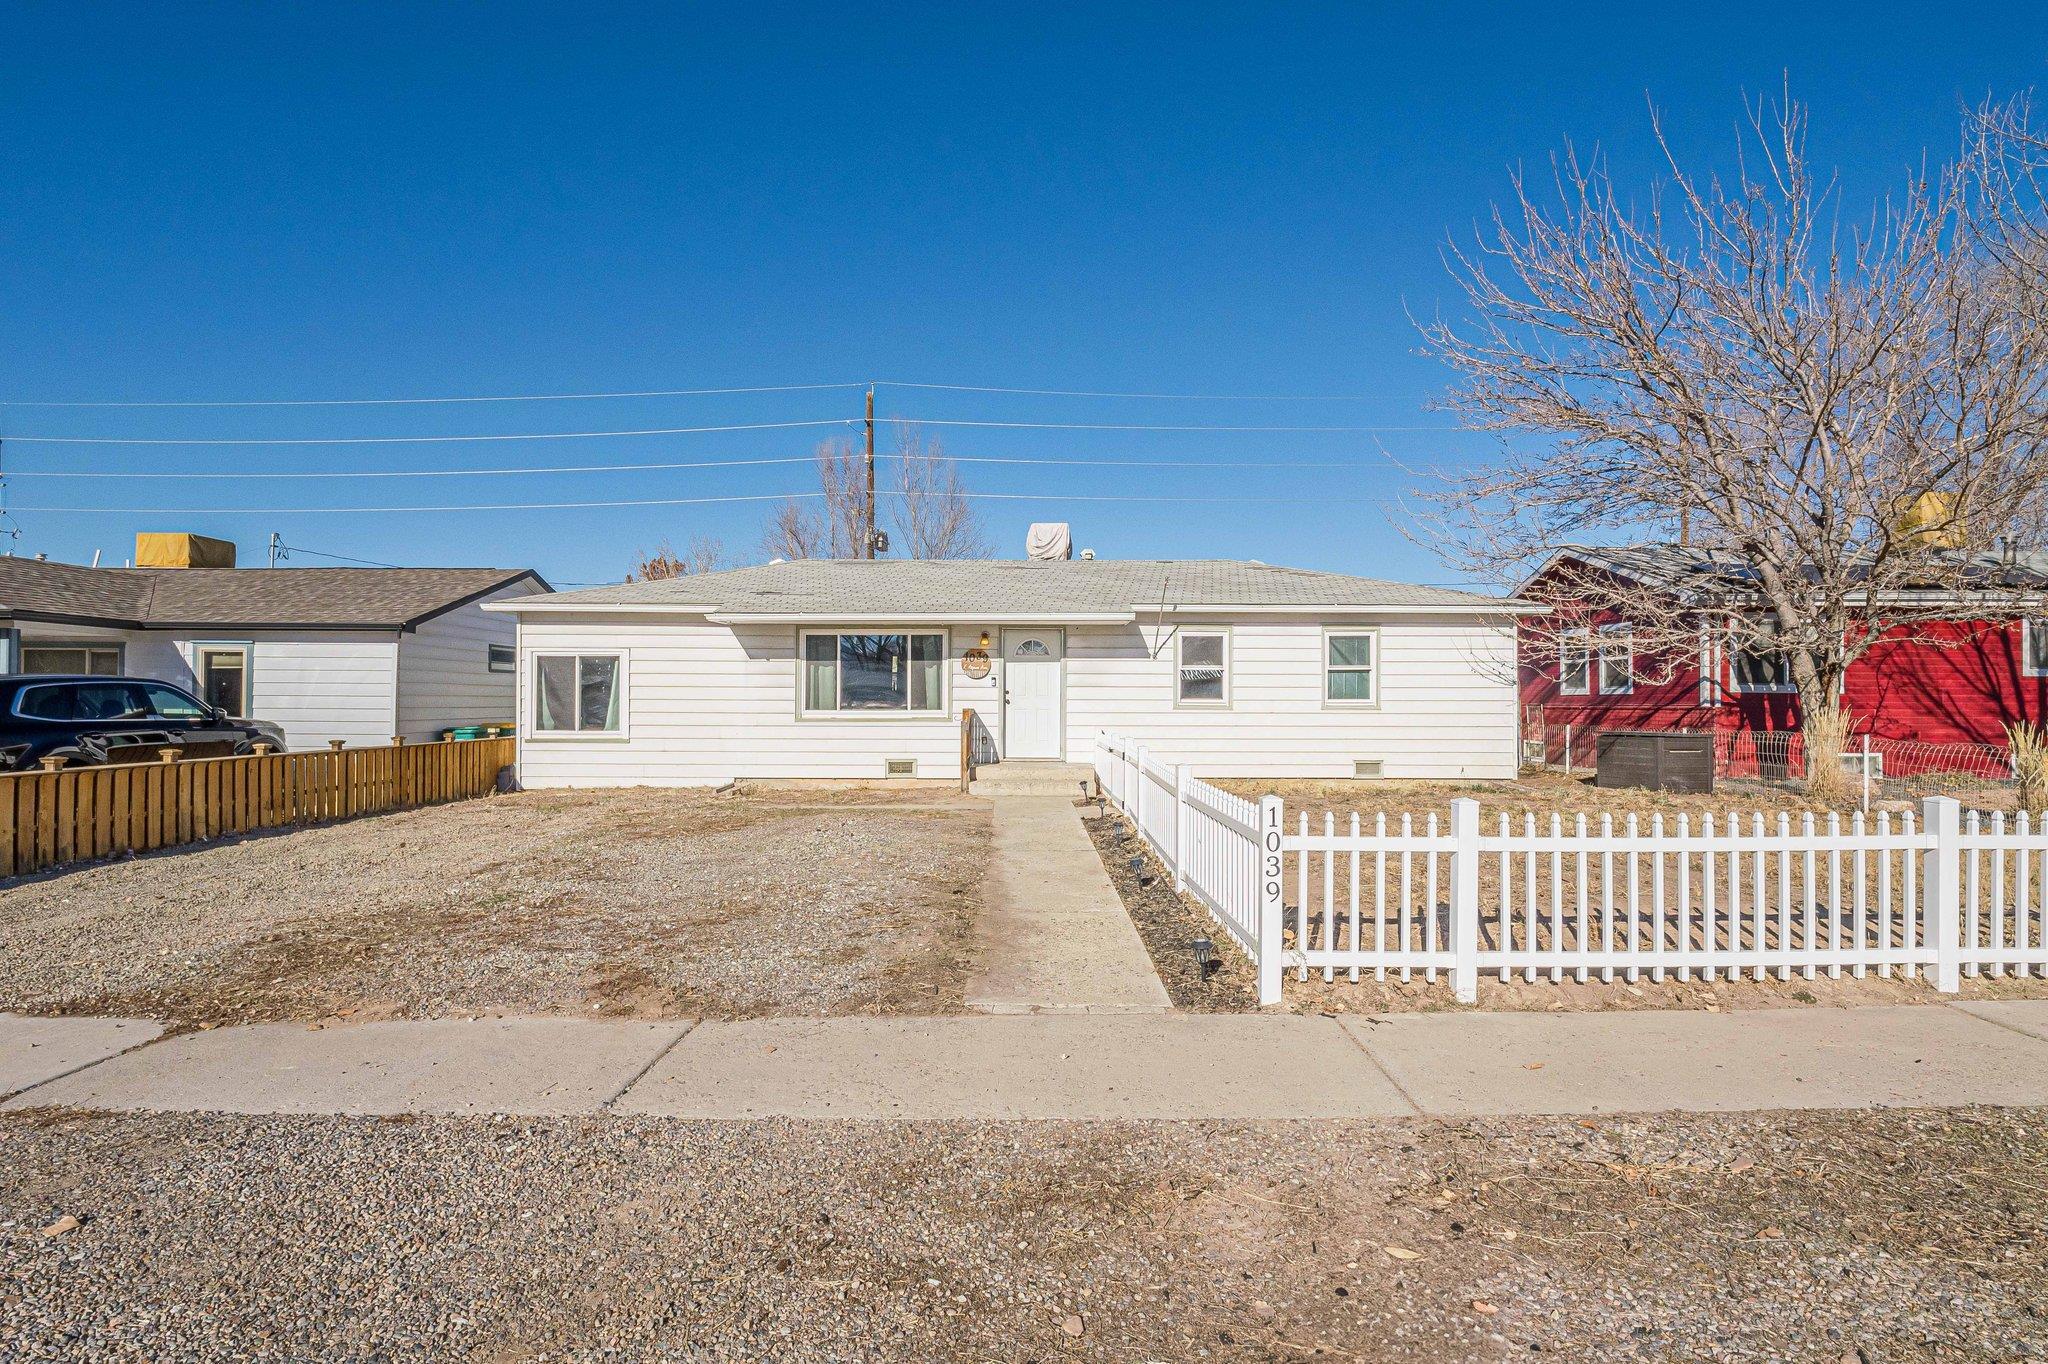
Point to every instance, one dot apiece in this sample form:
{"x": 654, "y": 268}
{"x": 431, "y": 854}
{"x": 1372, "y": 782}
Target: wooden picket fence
{"x": 80, "y": 813}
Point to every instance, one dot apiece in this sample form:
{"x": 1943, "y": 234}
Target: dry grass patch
{"x": 638, "y": 903}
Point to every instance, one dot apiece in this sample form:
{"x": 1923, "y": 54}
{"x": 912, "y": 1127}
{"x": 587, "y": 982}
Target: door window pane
{"x": 872, "y": 675}
{"x": 223, "y": 679}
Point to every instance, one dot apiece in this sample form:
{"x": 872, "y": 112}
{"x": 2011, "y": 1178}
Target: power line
{"x": 602, "y": 395}
{"x": 1147, "y": 426}
{"x": 668, "y": 464}
{"x": 1164, "y": 397}
{"x": 663, "y": 502}
{"x": 284, "y": 549}
{"x": 406, "y": 402}
{"x": 421, "y": 440}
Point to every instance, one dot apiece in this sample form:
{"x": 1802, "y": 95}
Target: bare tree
{"x": 703, "y": 554}
{"x": 1844, "y": 421}
{"x": 933, "y": 517}
{"x": 936, "y": 518}
{"x": 829, "y": 524}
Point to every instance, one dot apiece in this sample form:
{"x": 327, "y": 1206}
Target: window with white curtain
{"x": 579, "y": 694}
{"x": 873, "y": 673}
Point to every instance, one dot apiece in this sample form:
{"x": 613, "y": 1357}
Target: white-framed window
{"x": 96, "y": 660}
{"x": 2035, "y": 646}
{"x": 1575, "y": 662}
{"x": 1755, "y": 667}
{"x": 1710, "y": 668}
{"x": 876, "y": 673}
{"x": 579, "y": 696}
{"x": 500, "y": 658}
{"x": 1351, "y": 661}
{"x": 1615, "y": 669}
{"x": 1201, "y": 668}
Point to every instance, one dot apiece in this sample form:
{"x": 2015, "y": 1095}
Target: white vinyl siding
{"x": 444, "y": 673}
{"x": 707, "y": 703}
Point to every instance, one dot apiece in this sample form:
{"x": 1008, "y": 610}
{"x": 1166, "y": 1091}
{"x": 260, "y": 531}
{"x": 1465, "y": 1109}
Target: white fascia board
{"x": 920, "y": 617}
{"x": 600, "y": 608}
{"x": 1507, "y": 606}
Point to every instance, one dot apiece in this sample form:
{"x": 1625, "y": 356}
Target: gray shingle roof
{"x": 326, "y": 597}
{"x": 1015, "y": 586}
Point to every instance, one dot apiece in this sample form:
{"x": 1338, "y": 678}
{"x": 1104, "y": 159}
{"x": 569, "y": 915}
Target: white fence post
{"x": 1464, "y": 900}
{"x": 1272, "y": 832}
{"x": 1143, "y": 782}
{"x": 1941, "y": 901}
{"x": 1180, "y": 827}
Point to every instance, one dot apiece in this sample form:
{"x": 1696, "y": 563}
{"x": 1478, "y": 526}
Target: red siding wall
{"x": 1964, "y": 689}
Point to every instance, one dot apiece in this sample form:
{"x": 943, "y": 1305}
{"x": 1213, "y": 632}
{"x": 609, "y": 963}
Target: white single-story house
{"x": 863, "y": 669}
{"x": 356, "y": 654}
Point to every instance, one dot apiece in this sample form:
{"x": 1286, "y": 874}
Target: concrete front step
{"x": 1024, "y": 778}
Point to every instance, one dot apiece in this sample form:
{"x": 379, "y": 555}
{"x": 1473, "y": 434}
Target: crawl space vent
{"x": 1365, "y": 767}
{"x": 901, "y": 767}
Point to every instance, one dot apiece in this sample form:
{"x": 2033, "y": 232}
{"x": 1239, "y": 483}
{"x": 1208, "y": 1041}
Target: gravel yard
{"x": 636, "y": 903}
{"x": 1877, "y": 1237}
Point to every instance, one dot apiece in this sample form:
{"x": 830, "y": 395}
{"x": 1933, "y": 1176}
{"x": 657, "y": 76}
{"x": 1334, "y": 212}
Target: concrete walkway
{"x": 1056, "y": 1066}
{"x": 1053, "y": 936}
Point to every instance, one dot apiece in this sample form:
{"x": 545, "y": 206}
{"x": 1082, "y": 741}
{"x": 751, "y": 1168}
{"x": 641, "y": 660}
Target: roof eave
{"x": 967, "y": 617}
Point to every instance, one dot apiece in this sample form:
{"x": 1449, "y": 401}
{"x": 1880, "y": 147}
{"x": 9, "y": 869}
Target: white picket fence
{"x": 1942, "y": 893}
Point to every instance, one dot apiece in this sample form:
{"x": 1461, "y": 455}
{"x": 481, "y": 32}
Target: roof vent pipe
{"x": 1088, "y": 554}
{"x": 1049, "y": 540}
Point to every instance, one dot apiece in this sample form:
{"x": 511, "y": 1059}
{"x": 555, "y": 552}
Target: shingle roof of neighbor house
{"x": 329, "y": 598}
{"x": 1012, "y": 587}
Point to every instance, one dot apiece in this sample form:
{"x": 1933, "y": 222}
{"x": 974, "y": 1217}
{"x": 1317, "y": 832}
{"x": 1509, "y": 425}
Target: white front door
{"x": 1033, "y": 667}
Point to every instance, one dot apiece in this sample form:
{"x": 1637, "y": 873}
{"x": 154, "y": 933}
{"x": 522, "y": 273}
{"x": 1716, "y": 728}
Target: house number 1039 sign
{"x": 975, "y": 663}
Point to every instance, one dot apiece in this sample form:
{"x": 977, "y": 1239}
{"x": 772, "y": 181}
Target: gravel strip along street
{"x": 637, "y": 903}
{"x": 1900, "y": 1235}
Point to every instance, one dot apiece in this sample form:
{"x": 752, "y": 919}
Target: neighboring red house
{"x": 1985, "y": 675}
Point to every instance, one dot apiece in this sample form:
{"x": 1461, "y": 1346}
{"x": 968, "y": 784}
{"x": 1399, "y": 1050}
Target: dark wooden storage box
{"x": 1658, "y": 760}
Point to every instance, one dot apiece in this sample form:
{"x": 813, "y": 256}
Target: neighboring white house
{"x": 853, "y": 668}
{"x": 356, "y": 654}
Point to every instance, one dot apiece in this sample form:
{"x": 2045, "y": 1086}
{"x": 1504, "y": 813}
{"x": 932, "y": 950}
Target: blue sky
{"x": 241, "y": 202}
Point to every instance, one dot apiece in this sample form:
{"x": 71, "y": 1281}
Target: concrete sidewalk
{"x": 1053, "y": 936}
{"x": 1053, "y": 1066}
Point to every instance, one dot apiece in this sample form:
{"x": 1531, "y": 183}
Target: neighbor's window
{"x": 577, "y": 693}
{"x": 500, "y": 658}
{"x": 1757, "y": 666}
{"x": 71, "y": 658}
{"x": 1574, "y": 663}
{"x": 1348, "y": 666}
{"x": 1204, "y": 668}
{"x": 2037, "y": 647}
{"x": 1617, "y": 660}
{"x": 879, "y": 672}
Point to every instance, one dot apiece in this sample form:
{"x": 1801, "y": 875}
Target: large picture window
{"x": 1350, "y": 668}
{"x": 1202, "y": 676}
{"x": 881, "y": 672}
{"x": 578, "y": 693}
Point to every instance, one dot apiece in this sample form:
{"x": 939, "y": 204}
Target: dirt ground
{"x": 1168, "y": 923}
{"x": 636, "y": 903}
{"x": 1836, "y": 1238}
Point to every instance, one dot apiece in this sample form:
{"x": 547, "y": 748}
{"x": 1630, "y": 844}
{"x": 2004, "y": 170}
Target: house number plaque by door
{"x": 974, "y": 663}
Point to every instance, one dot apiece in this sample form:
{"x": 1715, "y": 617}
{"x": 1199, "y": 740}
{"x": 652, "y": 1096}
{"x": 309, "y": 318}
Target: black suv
{"x": 87, "y": 721}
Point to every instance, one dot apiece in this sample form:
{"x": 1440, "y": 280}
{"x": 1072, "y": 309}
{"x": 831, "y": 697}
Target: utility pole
{"x": 867, "y": 541}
